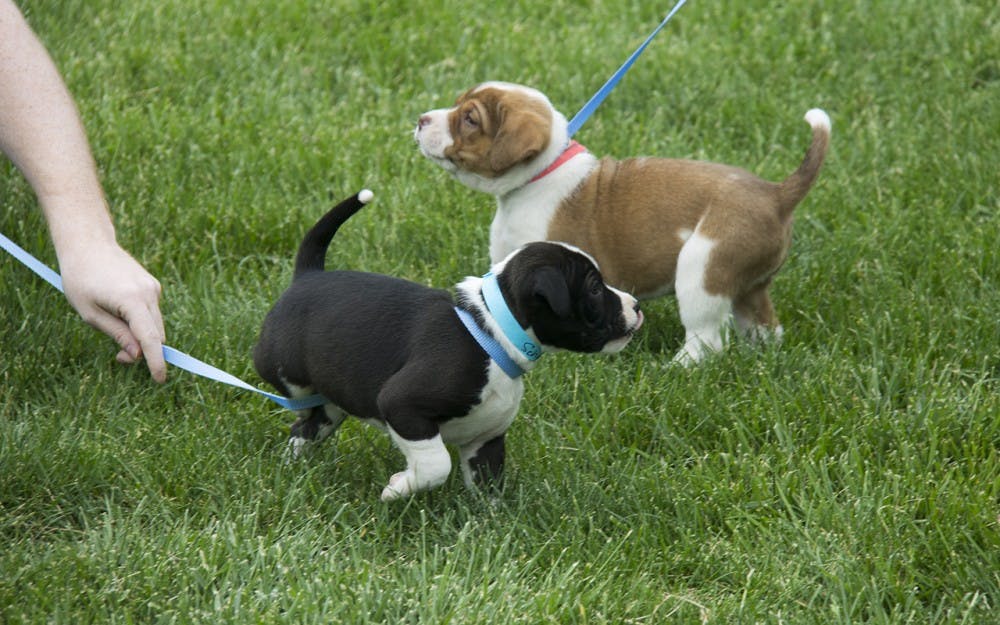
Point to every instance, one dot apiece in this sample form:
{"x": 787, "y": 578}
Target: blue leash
{"x": 171, "y": 355}
{"x": 197, "y": 367}
{"x": 599, "y": 97}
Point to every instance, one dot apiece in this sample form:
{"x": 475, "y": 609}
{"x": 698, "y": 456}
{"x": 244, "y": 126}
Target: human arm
{"x": 41, "y": 132}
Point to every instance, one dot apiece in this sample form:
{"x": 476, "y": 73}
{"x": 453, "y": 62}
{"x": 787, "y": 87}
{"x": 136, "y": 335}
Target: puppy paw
{"x": 295, "y": 448}
{"x": 700, "y": 345}
{"x": 688, "y": 356}
{"x": 763, "y": 335}
{"x": 399, "y": 486}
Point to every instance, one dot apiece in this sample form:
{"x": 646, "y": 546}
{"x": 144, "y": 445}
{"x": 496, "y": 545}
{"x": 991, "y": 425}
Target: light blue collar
{"x": 505, "y": 319}
{"x": 490, "y": 345}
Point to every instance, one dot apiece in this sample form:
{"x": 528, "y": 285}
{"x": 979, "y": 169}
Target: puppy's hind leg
{"x": 312, "y": 427}
{"x": 703, "y": 314}
{"x": 755, "y": 316}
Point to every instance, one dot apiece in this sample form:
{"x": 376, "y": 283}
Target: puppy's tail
{"x": 312, "y": 252}
{"x": 795, "y": 187}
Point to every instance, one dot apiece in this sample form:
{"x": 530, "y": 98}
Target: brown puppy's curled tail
{"x": 795, "y": 187}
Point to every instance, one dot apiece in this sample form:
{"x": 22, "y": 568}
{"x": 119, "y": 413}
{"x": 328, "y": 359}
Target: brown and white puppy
{"x": 713, "y": 234}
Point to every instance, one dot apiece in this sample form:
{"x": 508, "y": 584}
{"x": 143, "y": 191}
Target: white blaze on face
{"x": 434, "y": 137}
{"x": 632, "y": 318}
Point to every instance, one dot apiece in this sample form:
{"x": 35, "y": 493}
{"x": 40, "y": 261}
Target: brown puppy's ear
{"x": 523, "y": 135}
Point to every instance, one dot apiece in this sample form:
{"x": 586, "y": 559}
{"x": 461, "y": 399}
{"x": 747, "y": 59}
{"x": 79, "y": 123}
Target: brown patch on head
{"x": 494, "y": 129}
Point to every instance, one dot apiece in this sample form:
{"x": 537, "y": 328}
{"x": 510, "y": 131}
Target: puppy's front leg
{"x": 482, "y": 463}
{"x": 428, "y": 464}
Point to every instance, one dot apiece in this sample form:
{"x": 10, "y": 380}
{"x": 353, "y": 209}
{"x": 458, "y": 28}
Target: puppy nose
{"x": 423, "y": 121}
{"x": 636, "y": 307}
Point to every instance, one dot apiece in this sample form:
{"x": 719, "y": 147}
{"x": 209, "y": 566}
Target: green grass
{"x": 851, "y": 475}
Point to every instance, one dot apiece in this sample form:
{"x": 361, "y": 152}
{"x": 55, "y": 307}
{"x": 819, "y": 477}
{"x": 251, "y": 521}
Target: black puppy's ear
{"x": 550, "y": 285}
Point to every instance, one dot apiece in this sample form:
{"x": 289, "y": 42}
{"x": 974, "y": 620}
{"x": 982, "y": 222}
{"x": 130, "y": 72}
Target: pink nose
{"x": 424, "y": 120}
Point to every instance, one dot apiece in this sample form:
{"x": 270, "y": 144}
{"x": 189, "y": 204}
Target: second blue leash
{"x": 599, "y": 97}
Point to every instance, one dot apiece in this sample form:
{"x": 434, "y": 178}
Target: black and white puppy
{"x": 428, "y": 369}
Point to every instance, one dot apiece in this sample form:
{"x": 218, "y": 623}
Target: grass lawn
{"x": 849, "y": 475}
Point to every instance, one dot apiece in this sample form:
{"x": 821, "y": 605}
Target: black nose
{"x": 636, "y": 307}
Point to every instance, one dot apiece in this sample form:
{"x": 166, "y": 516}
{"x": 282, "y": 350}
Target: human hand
{"x": 114, "y": 293}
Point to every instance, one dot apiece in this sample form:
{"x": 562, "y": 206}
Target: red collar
{"x": 571, "y": 150}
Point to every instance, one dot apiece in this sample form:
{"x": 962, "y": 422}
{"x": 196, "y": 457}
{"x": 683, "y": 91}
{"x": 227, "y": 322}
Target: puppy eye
{"x": 592, "y": 309}
{"x": 596, "y": 288}
{"x": 591, "y": 313}
{"x": 470, "y": 118}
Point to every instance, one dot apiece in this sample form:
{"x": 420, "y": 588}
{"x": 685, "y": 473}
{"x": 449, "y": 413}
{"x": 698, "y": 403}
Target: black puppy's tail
{"x": 312, "y": 252}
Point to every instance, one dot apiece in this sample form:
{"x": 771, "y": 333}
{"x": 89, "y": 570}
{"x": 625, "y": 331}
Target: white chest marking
{"x": 524, "y": 215}
{"x": 491, "y": 416}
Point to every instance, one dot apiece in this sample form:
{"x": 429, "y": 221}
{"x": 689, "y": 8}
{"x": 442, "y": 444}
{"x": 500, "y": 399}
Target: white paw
{"x": 691, "y": 354}
{"x": 295, "y": 448}
{"x": 399, "y": 486}
{"x": 427, "y": 465}
{"x": 685, "y": 358}
{"x": 700, "y": 345}
{"x": 763, "y": 335}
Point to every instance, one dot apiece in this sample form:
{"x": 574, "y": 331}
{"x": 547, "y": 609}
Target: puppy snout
{"x": 424, "y": 120}
{"x": 633, "y": 303}
{"x": 638, "y": 316}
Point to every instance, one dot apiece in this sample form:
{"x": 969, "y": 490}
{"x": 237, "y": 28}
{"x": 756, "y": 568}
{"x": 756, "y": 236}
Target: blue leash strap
{"x": 175, "y": 357}
{"x": 193, "y": 365}
{"x": 599, "y": 97}
{"x": 32, "y": 263}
